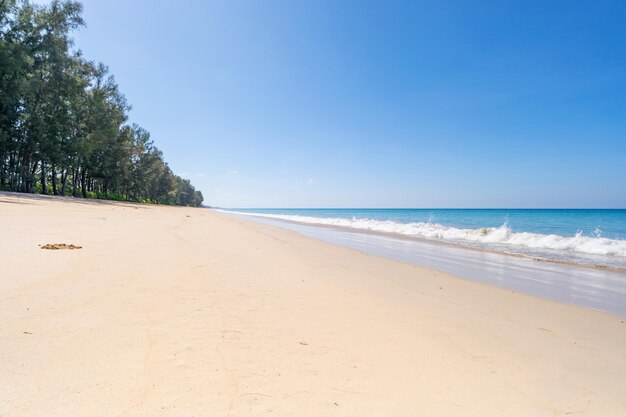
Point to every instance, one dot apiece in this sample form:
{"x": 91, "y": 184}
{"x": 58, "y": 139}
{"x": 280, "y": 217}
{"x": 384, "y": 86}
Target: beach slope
{"x": 170, "y": 311}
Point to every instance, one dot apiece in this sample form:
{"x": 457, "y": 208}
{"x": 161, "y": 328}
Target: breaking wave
{"x": 486, "y": 236}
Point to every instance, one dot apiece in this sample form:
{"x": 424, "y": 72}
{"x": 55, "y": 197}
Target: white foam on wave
{"x": 487, "y": 236}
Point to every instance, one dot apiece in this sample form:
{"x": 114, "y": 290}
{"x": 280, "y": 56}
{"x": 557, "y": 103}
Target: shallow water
{"x": 599, "y": 289}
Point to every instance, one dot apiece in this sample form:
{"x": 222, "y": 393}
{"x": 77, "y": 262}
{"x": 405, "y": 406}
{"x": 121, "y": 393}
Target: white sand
{"x": 171, "y": 311}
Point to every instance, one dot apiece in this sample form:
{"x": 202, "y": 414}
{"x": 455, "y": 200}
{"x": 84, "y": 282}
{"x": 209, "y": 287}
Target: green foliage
{"x": 63, "y": 120}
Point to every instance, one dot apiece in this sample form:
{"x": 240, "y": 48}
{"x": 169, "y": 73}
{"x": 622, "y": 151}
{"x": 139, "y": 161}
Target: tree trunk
{"x": 2, "y": 172}
{"x": 74, "y": 181}
{"x": 44, "y": 190}
{"x": 83, "y": 182}
{"x": 54, "y": 180}
{"x": 63, "y": 180}
{"x": 12, "y": 184}
{"x": 25, "y": 179}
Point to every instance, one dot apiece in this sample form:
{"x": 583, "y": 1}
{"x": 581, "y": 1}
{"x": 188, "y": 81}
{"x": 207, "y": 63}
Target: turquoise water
{"x": 588, "y": 236}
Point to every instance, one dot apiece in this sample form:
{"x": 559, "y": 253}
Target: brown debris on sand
{"x": 57, "y": 246}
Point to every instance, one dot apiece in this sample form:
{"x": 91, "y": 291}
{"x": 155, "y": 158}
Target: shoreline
{"x": 436, "y": 242}
{"x": 596, "y": 289}
{"x": 181, "y": 311}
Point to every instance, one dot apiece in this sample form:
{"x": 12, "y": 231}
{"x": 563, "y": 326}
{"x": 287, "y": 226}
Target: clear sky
{"x": 377, "y": 104}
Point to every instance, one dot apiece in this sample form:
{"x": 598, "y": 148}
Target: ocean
{"x": 590, "y": 237}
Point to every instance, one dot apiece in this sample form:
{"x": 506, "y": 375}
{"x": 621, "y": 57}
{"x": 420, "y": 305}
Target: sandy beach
{"x": 170, "y": 311}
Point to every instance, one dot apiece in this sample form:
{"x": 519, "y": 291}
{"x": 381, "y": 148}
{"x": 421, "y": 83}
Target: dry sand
{"x": 169, "y": 311}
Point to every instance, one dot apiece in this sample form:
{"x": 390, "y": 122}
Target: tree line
{"x": 64, "y": 126}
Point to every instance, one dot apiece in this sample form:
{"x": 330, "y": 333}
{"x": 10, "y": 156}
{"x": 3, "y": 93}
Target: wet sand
{"x": 603, "y": 289}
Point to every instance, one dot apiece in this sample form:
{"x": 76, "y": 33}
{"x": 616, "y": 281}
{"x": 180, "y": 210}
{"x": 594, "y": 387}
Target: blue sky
{"x": 377, "y": 104}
